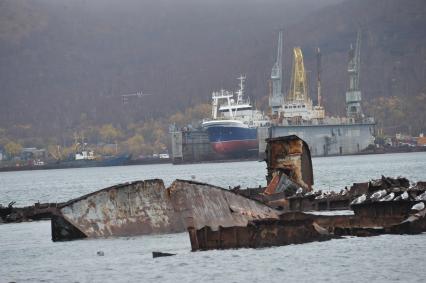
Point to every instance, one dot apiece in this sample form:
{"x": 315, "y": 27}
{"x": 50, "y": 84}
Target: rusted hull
{"x": 147, "y": 207}
{"x": 206, "y": 205}
{"x": 137, "y": 208}
{"x": 38, "y": 211}
{"x": 259, "y": 234}
{"x": 291, "y": 156}
{"x": 298, "y": 228}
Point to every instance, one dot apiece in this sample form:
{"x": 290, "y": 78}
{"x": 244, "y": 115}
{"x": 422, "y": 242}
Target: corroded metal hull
{"x": 147, "y": 207}
{"x": 141, "y": 207}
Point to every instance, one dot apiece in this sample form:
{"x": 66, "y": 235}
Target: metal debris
{"x": 289, "y": 156}
{"x": 38, "y": 211}
{"x": 259, "y": 233}
{"x": 206, "y": 205}
{"x": 216, "y": 218}
{"x": 160, "y": 254}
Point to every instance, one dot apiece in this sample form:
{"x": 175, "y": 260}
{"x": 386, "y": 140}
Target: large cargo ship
{"x": 231, "y": 137}
{"x": 233, "y": 128}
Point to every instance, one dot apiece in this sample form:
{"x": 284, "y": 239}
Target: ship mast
{"x": 240, "y": 92}
{"x": 353, "y": 94}
{"x": 276, "y": 100}
{"x": 319, "y": 76}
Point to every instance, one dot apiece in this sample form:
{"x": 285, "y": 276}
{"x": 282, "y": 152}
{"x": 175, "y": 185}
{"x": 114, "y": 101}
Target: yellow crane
{"x": 298, "y": 86}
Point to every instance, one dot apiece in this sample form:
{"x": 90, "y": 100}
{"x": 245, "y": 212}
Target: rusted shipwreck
{"x": 287, "y": 211}
{"x": 147, "y": 207}
{"x": 213, "y": 216}
{"x": 366, "y": 209}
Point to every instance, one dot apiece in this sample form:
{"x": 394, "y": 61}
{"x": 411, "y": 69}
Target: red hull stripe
{"x": 226, "y": 147}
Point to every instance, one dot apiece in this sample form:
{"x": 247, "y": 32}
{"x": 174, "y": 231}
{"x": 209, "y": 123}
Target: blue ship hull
{"x": 232, "y": 139}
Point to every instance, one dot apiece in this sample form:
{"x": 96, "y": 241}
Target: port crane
{"x": 276, "y": 100}
{"x": 353, "y": 94}
{"x": 139, "y": 94}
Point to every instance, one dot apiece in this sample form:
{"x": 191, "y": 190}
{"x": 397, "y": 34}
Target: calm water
{"x": 28, "y": 255}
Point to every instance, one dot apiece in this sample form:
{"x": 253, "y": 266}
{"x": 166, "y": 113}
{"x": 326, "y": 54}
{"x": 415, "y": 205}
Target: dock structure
{"x": 191, "y": 147}
{"x": 295, "y": 114}
{"x": 329, "y": 139}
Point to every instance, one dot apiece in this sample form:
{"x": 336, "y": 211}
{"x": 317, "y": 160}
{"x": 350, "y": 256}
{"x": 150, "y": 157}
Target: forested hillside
{"x": 64, "y": 64}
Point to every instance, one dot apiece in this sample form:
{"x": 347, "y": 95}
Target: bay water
{"x": 27, "y": 253}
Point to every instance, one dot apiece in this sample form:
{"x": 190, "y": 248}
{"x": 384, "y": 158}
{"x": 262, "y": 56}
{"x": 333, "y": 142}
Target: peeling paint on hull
{"x": 141, "y": 207}
{"x": 147, "y": 207}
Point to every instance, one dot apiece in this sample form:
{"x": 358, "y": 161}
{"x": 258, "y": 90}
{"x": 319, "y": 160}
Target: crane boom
{"x": 139, "y": 94}
{"x": 353, "y": 94}
{"x": 276, "y": 99}
{"x": 298, "y": 86}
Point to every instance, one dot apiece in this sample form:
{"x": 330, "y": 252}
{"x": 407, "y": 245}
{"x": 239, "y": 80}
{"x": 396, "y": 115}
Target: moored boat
{"x": 231, "y": 137}
{"x": 233, "y": 128}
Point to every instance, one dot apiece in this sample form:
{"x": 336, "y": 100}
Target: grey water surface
{"x": 27, "y": 253}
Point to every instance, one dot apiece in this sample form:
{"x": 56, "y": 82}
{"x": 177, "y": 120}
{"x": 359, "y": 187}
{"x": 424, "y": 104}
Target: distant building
{"x": 32, "y": 153}
{"x": 421, "y": 140}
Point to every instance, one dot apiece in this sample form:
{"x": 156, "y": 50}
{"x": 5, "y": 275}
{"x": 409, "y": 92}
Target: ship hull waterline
{"x": 233, "y": 139}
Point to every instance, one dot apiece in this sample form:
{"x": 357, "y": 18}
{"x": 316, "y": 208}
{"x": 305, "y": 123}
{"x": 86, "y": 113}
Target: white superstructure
{"x": 227, "y": 105}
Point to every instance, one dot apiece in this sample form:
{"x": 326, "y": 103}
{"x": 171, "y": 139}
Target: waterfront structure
{"x": 325, "y": 135}
{"x": 295, "y": 113}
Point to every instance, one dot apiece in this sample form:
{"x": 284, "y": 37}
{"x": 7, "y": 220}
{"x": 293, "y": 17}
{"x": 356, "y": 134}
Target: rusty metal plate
{"x": 206, "y": 205}
{"x": 141, "y": 207}
{"x": 290, "y": 155}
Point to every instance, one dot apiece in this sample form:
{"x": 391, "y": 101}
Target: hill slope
{"x": 62, "y": 61}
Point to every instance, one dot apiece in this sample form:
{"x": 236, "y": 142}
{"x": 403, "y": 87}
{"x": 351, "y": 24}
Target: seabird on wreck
{"x": 389, "y": 197}
{"x": 359, "y": 200}
{"x": 421, "y": 197}
{"x": 378, "y": 195}
{"x": 418, "y": 206}
{"x": 321, "y": 196}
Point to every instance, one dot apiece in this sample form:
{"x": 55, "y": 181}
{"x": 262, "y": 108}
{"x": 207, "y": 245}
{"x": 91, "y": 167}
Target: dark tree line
{"x": 64, "y": 60}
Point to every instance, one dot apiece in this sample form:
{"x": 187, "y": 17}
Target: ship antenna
{"x": 240, "y": 92}
{"x": 319, "y": 76}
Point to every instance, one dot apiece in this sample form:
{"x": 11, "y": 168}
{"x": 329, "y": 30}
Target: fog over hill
{"x": 61, "y": 60}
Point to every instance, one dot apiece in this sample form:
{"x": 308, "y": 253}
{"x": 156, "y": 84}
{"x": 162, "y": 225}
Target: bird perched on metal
{"x": 418, "y": 206}
{"x": 359, "y": 200}
{"x": 389, "y": 197}
{"x": 378, "y": 195}
{"x": 421, "y": 197}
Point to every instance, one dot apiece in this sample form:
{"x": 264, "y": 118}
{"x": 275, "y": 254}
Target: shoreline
{"x": 170, "y": 161}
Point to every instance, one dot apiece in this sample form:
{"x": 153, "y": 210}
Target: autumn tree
{"x": 13, "y": 148}
{"x": 109, "y": 133}
{"x": 135, "y": 144}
